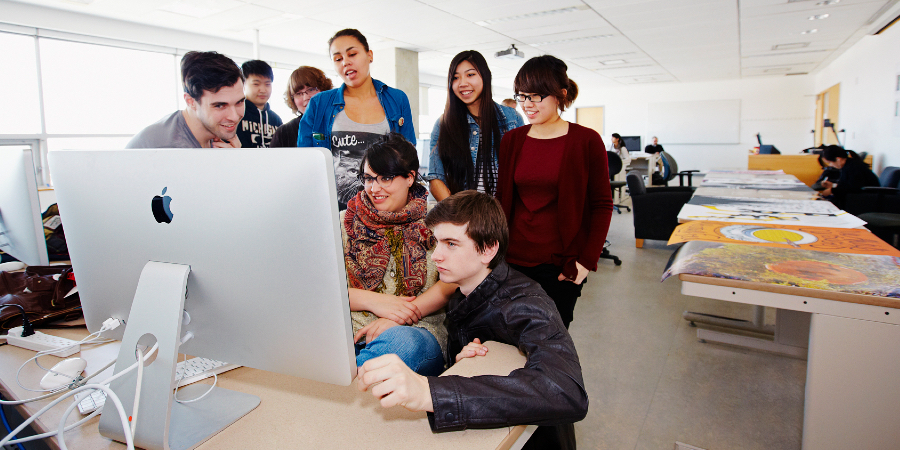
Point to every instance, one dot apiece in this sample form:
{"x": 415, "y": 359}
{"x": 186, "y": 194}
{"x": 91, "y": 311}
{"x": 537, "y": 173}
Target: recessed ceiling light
{"x": 566, "y": 41}
{"x": 612, "y": 61}
{"x": 551, "y": 12}
{"x": 814, "y": 30}
{"x": 818, "y": 17}
{"x": 828, "y": 2}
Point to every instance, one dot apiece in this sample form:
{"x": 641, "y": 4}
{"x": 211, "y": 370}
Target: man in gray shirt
{"x": 214, "y": 94}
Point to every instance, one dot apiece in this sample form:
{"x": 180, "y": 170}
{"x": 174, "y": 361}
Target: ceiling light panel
{"x": 532, "y": 15}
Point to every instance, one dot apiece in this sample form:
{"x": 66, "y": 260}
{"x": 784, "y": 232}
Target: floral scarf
{"x": 374, "y": 236}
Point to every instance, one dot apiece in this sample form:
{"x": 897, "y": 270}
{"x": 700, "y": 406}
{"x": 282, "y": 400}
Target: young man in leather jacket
{"x": 493, "y": 302}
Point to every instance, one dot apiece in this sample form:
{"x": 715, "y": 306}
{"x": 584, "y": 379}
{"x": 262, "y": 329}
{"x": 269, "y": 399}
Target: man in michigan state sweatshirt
{"x": 259, "y": 122}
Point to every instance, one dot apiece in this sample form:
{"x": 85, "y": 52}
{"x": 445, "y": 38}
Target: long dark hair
{"x": 453, "y": 143}
{"x": 832, "y": 152}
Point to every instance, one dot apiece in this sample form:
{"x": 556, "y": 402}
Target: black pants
{"x": 564, "y": 293}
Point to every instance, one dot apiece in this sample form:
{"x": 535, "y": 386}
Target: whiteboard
{"x": 696, "y": 122}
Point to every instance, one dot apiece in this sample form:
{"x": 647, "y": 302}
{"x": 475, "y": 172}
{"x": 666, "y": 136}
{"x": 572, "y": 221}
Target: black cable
{"x": 27, "y": 327}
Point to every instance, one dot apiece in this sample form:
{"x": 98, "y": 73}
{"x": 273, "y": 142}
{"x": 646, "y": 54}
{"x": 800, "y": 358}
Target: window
{"x": 21, "y": 114}
{"x": 97, "y": 89}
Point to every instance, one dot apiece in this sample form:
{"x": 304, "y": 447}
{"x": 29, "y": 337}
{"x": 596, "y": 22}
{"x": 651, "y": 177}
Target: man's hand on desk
{"x": 399, "y": 385}
{"x": 473, "y": 349}
{"x": 372, "y": 330}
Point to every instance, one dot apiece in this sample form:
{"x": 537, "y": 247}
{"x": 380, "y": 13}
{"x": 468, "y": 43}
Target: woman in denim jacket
{"x": 465, "y": 139}
{"x": 348, "y": 119}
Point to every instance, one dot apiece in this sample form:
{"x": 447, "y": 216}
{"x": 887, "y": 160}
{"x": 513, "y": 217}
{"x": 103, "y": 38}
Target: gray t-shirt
{"x": 170, "y": 132}
{"x": 349, "y": 141}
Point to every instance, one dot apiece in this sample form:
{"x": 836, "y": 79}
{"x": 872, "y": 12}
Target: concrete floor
{"x": 651, "y": 383}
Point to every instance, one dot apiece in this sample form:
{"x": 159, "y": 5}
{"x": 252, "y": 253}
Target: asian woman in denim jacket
{"x": 466, "y": 137}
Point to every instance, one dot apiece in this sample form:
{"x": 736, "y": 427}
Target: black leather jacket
{"x": 509, "y": 307}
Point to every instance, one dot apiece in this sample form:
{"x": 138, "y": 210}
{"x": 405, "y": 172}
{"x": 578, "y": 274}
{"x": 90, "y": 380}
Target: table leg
{"x": 852, "y": 395}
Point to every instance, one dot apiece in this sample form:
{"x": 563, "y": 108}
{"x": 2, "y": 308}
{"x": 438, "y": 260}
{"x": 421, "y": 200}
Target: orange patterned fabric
{"x": 374, "y": 236}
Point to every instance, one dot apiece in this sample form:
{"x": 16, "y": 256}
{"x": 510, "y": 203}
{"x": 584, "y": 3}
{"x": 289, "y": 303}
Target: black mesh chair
{"x": 615, "y": 166}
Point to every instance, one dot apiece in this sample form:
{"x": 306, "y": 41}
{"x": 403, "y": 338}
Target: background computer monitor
{"x": 632, "y": 143}
{"x": 21, "y": 227}
{"x": 259, "y": 228}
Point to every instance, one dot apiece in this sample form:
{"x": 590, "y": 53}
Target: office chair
{"x": 615, "y": 166}
{"x": 670, "y": 170}
{"x": 876, "y": 199}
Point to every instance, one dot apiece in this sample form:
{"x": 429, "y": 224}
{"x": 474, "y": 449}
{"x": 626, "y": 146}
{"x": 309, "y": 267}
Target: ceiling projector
{"x": 511, "y": 53}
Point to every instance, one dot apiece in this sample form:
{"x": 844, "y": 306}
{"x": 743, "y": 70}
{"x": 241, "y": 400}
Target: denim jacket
{"x": 508, "y": 119}
{"x": 323, "y": 108}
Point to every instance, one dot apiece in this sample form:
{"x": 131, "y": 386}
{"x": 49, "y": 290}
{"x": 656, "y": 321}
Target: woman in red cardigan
{"x": 553, "y": 184}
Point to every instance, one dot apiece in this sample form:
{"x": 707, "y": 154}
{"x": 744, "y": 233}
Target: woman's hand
{"x": 827, "y": 184}
{"x": 582, "y": 274}
{"x": 473, "y": 349}
{"x": 372, "y": 330}
{"x": 399, "y": 309}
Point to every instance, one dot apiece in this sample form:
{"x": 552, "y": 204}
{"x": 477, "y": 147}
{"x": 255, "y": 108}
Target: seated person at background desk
{"x": 855, "y": 174}
{"x": 494, "y": 302}
{"x": 618, "y": 146}
{"x": 655, "y": 148}
{"x": 829, "y": 174}
{"x": 214, "y": 93}
{"x": 386, "y": 251}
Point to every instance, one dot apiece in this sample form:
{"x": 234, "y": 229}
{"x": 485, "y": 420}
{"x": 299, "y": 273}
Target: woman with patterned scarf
{"x": 396, "y": 299}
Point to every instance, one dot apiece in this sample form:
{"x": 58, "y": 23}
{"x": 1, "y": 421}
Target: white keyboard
{"x": 186, "y": 372}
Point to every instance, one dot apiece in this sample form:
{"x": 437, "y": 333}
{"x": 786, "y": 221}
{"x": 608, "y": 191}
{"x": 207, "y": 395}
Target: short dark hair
{"x": 616, "y": 135}
{"x": 259, "y": 68}
{"x": 207, "y": 71}
{"x": 546, "y": 75}
{"x": 391, "y": 154}
{"x": 481, "y": 214}
{"x": 301, "y": 78}
{"x": 349, "y": 32}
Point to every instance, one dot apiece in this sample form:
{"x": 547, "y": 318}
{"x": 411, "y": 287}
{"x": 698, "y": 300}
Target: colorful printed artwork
{"x": 839, "y": 240}
{"x": 877, "y": 275}
{"x": 767, "y": 205}
{"x": 730, "y": 213}
{"x": 744, "y": 180}
{"x": 725, "y": 191}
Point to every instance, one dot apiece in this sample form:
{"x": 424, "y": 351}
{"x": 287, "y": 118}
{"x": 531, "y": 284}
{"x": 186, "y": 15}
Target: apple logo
{"x": 160, "y": 207}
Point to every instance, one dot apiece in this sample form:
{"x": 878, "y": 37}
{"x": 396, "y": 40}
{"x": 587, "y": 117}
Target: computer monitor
{"x": 632, "y": 143}
{"x": 21, "y": 227}
{"x": 258, "y": 231}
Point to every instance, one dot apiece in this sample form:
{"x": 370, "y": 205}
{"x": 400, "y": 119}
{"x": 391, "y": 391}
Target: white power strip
{"x": 41, "y": 342}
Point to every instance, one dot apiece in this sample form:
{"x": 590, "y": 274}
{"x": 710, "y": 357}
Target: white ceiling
{"x": 654, "y": 41}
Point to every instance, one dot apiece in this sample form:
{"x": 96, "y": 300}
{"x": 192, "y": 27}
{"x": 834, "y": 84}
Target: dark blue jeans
{"x": 415, "y": 346}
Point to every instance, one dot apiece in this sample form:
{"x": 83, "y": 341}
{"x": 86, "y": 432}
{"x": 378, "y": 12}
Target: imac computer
{"x": 233, "y": 255}
{"x": 21, "y": 227}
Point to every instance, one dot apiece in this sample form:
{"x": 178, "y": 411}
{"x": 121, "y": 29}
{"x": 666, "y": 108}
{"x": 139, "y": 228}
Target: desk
{"x": 852, "y": 395}
{"x": 644, "y": 164}
{"x": 804, "y": 166}
{"x": 294, "y": 412}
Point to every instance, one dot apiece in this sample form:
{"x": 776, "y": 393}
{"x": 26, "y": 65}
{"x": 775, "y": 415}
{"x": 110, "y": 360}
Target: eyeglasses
{"x": 309, "y": 92}
{"x": 534, "y": 98}
{"x": 383, "y": 181}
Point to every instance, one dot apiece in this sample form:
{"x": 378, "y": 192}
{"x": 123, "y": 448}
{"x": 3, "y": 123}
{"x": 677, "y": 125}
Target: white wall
{"x": 782, "y": 109}
{"x": 868, "y": 73}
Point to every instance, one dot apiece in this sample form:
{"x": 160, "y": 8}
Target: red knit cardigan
{"x": 585, "y": 199}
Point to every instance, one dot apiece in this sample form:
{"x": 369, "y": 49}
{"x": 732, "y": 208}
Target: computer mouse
{"x": 66, "y": 372}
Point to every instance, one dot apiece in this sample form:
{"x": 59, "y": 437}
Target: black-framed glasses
{"x": 534, "y": 98}
{"x": 309, "y": 92}
{"x": 383, "y": 180}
